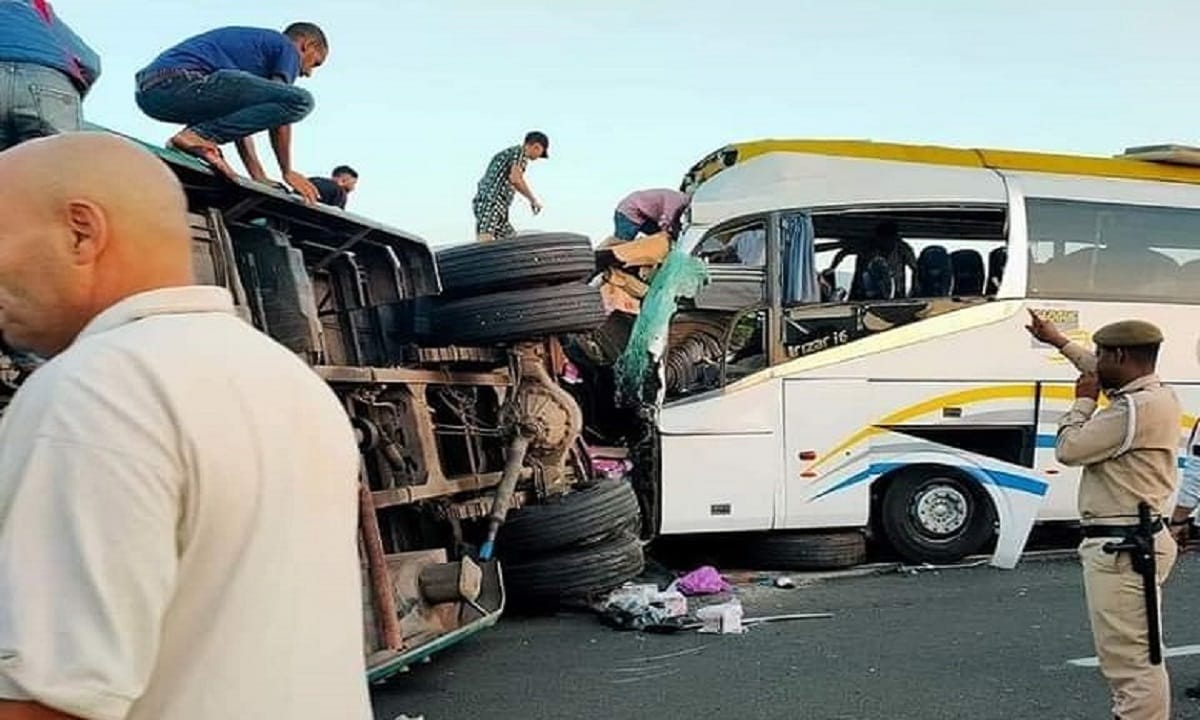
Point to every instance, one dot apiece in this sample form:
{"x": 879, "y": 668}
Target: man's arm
{"x": 1189, "y": 492}
{"x": 1082, "y": 358}
{"x": 1189, "y": 489}
{"x": 10, "y": 710}
{"x": 1045, "y": 331}
{"x": 281, "y": 143}
{"x": 516, "y": 176}
{"x": 1084, "y": 438}
{"x": 249, "y": 155}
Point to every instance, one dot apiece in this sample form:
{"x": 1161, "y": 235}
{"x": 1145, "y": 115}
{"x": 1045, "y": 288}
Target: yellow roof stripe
{"x": 977, "y": 157}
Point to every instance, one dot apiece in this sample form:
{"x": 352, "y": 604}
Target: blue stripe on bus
{"x": 1033, "y": 486}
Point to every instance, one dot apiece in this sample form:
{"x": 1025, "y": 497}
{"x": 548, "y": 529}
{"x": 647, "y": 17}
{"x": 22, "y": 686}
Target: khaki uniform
{"x": 1128, "y": 454}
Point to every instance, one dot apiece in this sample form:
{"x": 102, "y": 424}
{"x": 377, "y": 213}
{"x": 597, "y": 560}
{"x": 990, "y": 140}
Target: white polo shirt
{"x": 178, "y": 519}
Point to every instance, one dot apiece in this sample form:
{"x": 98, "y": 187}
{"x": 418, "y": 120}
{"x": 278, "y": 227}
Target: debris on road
{"x": 723, "y": 619}
{"x": 638, "y": 607}
{"x": 927, "y": 567}
{"x": 701, "y": 581}
{"x": 780, "y": 618}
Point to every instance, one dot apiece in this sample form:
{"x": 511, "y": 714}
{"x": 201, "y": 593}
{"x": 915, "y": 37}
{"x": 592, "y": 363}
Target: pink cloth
{"x": 702, "y": 581}
{"x": 660, "y": 205}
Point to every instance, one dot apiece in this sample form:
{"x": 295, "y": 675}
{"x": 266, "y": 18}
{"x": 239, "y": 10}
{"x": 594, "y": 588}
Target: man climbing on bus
{"x": 505, "y": 176}
{"x": 648, "y": 212}
{"x": 335, "y": 189}
{"x": 230, "y": 83}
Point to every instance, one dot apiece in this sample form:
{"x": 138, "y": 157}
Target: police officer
{"x": 1128, "y": 451}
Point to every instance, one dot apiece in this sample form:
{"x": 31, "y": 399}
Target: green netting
{"x": 680, "y": 275}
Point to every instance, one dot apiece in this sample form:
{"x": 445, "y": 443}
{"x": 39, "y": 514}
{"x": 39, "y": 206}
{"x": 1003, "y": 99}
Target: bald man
{"x": 173, "y": 544}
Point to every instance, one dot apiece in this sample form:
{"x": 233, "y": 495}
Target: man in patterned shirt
{"x": 504, "y": 175}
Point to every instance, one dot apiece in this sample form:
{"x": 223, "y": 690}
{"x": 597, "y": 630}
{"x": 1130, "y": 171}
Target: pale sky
{"x": 418, "y": 94}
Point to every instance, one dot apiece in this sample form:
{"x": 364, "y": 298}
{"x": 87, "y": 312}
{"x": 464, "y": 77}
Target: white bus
{"x": 908, "y": 400}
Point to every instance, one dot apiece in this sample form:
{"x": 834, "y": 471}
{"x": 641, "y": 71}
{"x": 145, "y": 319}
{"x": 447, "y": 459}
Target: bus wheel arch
{"x": 932, "y": 513}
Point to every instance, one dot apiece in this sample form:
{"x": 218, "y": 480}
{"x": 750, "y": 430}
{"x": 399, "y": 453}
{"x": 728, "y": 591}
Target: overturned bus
{"x": 450, "y": 376}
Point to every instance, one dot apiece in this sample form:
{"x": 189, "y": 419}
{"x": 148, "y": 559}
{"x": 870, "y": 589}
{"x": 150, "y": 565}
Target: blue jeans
{"x": 626, "y": 229}
{"x": 222, "y": 106}
{"x": 36, "y": 101}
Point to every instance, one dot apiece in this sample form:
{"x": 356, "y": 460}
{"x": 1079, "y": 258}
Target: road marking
{"x": 1169, "y": 652}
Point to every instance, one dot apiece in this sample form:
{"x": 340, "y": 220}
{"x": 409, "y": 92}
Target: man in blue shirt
{"x": 227, "y": 84}
{"x": 45, "y": 71}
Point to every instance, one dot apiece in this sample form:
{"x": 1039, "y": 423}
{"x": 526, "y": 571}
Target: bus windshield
{"x": 1115, "y": 252}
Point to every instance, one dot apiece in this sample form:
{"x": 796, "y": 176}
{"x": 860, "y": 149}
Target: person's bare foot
{"x": 196, "y": 146}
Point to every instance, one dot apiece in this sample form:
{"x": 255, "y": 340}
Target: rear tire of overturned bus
{"x": 935, "y": 514}
{"x": 587, "y": 515}
{"x": 574, "y": 576}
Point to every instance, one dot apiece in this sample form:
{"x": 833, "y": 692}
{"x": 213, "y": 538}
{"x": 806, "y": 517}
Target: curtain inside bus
{"x": 800, "y": 283}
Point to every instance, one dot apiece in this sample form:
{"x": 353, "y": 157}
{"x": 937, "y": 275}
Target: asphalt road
{"x": 974, "y": 643}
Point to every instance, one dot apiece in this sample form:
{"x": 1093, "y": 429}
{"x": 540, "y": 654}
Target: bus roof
{"x": 1014, "y": 160}
{"x": 320, "y": 230}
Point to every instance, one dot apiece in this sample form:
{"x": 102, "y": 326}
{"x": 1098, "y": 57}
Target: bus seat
{"x": 968, "y": 272}
{"x": 934, "y": 274}
{"x": 997, "y": 259}
{"x": 877, "y": 281}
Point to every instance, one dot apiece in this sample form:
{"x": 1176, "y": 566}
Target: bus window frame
{"x": 1100, "y": 203}
{"x": 777, "y": 352}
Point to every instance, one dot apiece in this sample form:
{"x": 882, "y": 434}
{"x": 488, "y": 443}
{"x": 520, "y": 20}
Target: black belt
{"x": 1103, "y": 531}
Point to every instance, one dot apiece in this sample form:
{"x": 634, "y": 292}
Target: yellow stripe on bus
{"x": 957, "y": 399}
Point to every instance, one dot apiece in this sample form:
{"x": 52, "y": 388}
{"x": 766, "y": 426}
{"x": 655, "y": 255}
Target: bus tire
{"x": 524, "y": 261}
{"x": 808, "y": 550}
{"x": 521, "y": 314}
{"x": 574, "y": 576}
{"x": 936, "y": 515}
{"x": 581, "y": 517}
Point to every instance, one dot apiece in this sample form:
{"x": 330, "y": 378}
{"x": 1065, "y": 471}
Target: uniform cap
{"x": 1127, "y": 333}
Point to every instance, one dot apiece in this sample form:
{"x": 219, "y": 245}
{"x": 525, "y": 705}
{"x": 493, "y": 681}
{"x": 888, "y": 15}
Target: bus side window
{"x": 745, "y": 245}
{"x": 1083, "y": 250}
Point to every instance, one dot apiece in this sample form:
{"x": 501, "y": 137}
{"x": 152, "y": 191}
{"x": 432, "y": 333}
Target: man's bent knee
{"x": 298, "y": 105}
